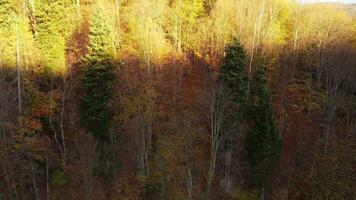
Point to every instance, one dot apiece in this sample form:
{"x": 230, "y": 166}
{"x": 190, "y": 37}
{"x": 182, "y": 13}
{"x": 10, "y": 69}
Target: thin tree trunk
{"x": 187, "y": 159}
{"x": 215, "y": 118}
{"x": 61, "y": 125}
{"x": 18, "y": 66}
{"x": 78, "y": 8}
{"x": 117, "y": 25}
{"x": 47, "y": 178}
{"x": 254, "y": 42}
{"x": 328, "y": 129}
{"x": 228, "y": 156}
{"x": 51, "y": 124}
{"x": 113, "y": 149}
{"x": 34, "y": 183}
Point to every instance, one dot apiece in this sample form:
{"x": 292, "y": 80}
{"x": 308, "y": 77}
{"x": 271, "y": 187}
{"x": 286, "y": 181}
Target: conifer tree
{"x": 233, "y": 79}
{"x": 98, "y": 76}
{"x": 234, "y": 84}
{"x": 263, "y": 142}
{"x": 101, "y": 41}
{"x": 53, "y": 25}
{"x": 7, "y": 33}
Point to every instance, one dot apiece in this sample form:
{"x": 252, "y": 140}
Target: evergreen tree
{"x": 7, "y": 33}
{"x": 263, "y": 142}
{"x": 54, "y": 23}
{"x": 234, "y": 84}
{"x": 101, "y": 41}
{"x": 98, "y": 76}
{"x": 233, "y": 79}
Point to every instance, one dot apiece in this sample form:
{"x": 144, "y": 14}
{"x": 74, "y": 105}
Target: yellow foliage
{"x": 145, "y": 36}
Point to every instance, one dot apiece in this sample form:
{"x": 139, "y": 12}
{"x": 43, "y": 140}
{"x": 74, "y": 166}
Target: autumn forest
{"x": 177, "y": 100}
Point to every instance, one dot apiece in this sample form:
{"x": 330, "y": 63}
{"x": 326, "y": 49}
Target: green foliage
{"x": 190, "y": 10}
{"x": 7, "y": 12}
{"x": 185, "y": 21}
{"x": 243, "y": 195}
{"x": 233, "y": 79}
{"x": 96, "y": 82}
{"x": 15, "y": 25}
{"x": 53, "y": 26}
{"x": 101, "y": 42}
{"x": 7, "y": 32}
{"x": 55, "y": 16}
{"x": 97, "y": 78}
{"x": 58, "y": 178}
{"x": 263, "y": 142}
{"x": 234, "y": 84}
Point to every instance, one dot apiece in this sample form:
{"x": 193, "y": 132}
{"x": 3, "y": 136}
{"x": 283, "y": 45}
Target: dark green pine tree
{"x": 263, "y": 141}
{"x": 234, "y": 84}
{"x": 98, "y": 77}
{"x": 233, "y": 80}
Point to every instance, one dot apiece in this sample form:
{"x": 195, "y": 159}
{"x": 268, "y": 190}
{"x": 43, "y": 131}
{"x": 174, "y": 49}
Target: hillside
{"x": 177, "y": 99}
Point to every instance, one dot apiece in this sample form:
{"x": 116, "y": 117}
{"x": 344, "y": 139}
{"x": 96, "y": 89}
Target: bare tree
{"x": 339, "y": 63}
{"x": 256, "y": 35}
{"x": 150, "y": 36}
{"x": 139, "y": 104}
{"x": 18, "y": 66}
{"x": 188, "y": 130}
{"x": 215, "y": 107}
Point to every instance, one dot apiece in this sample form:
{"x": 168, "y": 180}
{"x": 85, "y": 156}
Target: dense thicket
{"x": 177, "y": 99}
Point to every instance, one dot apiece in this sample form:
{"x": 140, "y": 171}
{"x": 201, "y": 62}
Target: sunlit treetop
{"x": 101, "y": 43}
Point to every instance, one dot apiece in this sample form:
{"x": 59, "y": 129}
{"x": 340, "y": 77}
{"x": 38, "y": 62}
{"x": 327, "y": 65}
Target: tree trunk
{"x": 18, "y": 67}
{"x": 228, "y": 156}
{"x": 78, "y": 8}
{"x": 47, "y": 178}
{"x": 254, "y": 42}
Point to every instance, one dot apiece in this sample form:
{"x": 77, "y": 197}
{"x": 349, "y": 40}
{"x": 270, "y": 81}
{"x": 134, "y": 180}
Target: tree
{"x": 186, "y": 14}
{"x": 234, "y": 84}
{"x": 18, "y": 170}
{"x": 337, "y": 69}
{"x": 233, "y": 79}
{"x": 146, "y": 18}
{"x": 216, "y": 106}
{"x": 97, "y": 78}
{"x": 53, "y": 24}
{"x": 96, "y": 112}
{"x": 7, "y": 33}
{"x": 263, "y": 143}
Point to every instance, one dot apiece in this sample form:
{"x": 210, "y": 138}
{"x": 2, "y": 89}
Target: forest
{"x": 177, "y": 100}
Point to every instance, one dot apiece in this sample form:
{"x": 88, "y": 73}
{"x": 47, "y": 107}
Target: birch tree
{"x": 215, "y": 106}
{"x": 146, "y": 21}
{"x": 338, "y": 66}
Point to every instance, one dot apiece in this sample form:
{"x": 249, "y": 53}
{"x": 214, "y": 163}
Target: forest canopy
{"x": 177, "y": 99}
